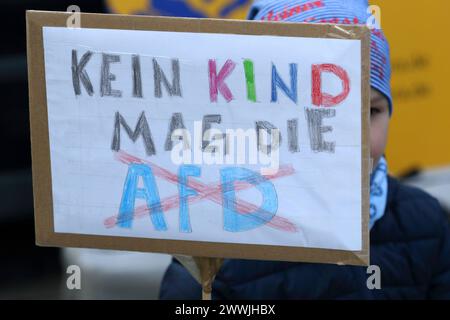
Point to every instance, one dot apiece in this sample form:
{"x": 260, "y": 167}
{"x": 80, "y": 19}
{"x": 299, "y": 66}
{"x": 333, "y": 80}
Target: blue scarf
{"x": 378, "y": 192}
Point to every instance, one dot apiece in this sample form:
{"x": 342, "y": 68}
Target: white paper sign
{"x": 116, "y": 96}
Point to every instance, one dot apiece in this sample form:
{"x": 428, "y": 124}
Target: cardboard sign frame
{"x": 42, "y": 180}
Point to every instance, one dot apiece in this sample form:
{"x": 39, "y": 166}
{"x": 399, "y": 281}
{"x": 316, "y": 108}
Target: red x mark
{"x": 211, "y": 192}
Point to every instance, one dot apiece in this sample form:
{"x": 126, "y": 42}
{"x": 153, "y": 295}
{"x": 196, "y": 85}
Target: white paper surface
{"x": 321, "y": 198}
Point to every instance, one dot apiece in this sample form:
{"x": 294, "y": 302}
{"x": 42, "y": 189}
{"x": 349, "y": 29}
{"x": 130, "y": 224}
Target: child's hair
{"x": 334, "y": 12}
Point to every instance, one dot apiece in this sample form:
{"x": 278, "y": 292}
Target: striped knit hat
{"x": 335, "y": 12}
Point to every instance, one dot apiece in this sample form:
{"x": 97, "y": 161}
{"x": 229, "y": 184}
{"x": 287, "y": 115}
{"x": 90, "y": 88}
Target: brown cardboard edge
{"x": 365, "y": 142}
{"x": 205, "y": 249}
{"x": 42, "y": 187}
{"x": 157, "y": 23}
{"x": 40, "y": 147}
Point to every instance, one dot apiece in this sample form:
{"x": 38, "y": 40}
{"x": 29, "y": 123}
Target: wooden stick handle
{"x": 207, "y": 277}
{"x": 206, "y": 293}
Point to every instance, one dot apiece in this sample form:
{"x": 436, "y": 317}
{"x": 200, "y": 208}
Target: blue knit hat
{"x": 335, "y": 12}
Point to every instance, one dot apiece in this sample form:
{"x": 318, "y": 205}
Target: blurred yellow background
{"x": 417, "y": 31}
{"x": 230, "y": 9}
{"x": 420, "y": 51}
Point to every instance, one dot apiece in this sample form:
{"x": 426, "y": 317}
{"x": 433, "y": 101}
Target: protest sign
{"x": 201, "y": 137}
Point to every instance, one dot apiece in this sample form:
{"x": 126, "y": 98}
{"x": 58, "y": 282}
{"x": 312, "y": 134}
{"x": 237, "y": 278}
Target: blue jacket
{"x": 410, "y": 244}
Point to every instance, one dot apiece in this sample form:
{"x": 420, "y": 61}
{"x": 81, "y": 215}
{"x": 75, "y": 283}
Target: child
{"x": 409, "y": 236}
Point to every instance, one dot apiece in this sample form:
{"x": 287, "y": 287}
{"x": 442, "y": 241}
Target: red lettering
{"x": 324, "y": 99}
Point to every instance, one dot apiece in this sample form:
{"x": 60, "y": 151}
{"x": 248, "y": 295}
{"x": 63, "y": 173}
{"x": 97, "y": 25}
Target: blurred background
{"x": 418, "y": 151}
